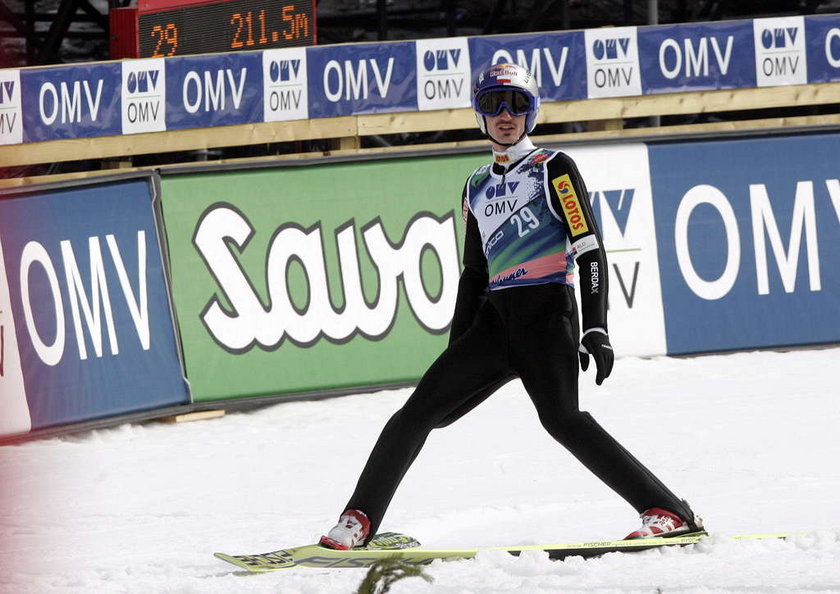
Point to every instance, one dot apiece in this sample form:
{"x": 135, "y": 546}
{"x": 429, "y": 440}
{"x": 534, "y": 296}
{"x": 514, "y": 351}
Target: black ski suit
{"x": 525, "y": 330}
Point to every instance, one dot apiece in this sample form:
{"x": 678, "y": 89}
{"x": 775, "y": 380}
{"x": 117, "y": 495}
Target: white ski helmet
{"x": 523, "y": 97}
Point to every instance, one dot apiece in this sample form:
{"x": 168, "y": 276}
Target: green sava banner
{"x": 314, "y": 277}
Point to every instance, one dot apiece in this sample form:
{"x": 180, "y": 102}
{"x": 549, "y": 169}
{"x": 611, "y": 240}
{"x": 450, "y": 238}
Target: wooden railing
{"x": 604, "y": 120}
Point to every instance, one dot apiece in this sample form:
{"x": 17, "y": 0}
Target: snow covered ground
{"x": 751, "y": 439}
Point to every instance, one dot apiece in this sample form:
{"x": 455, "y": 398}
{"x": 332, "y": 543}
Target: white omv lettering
{"x": 833, "y": 186}
{"x": 714, "y": 289}
{"x": 67, "y": 101}
{"x": 92, "y": 307}
{"x": 352, "y": 82}
{"x": 34, "y": 253}
{"x": 696, "y": 54}
{"x": 88, "y": 312}
{"x": 212, "y": 91}
{"x": 248, "y": 322}
{"x": 804, "y": 217}
{"x": 556, "y": 67}
{"x": 832, "y": 47}
{"x": 763, "y": 221}
{"x": 139, "y": 310}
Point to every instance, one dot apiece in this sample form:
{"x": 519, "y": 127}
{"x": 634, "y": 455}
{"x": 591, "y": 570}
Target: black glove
{"x": 597, "y": 344}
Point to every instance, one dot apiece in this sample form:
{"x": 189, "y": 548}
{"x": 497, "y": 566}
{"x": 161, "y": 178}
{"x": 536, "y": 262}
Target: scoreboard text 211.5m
{"x": 162, "y": 28}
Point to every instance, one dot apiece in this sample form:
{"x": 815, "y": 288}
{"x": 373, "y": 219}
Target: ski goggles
{"x": 490, "y": 103}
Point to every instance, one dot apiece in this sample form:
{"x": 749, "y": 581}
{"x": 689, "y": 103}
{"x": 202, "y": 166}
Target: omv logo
{"x": 611, "y": 49}
{"x": 619, "y": 202}
{"x": 284, "y": 70}
{"x": 442, "y": 60}
{"x": 779, "y": 38}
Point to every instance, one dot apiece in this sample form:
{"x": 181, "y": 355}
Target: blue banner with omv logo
{"x": 154, "y": 95}
{"x": 221, "y": 90}
{"x": 70, "y": 102}
{"x": 823, "y": 40}
{"x": 747, "y": 234}
{"x": 368, "y": 78}
{"x": 702, "y": 57}
{"x": 89, "y": 302}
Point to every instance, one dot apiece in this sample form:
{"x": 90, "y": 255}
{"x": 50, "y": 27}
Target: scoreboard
{"x": 163, "y": 28}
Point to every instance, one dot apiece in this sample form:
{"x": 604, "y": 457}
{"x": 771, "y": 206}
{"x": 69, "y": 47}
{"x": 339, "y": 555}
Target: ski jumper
{"x": 528, "y": 222}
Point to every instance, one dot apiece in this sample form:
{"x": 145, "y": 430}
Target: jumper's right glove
{"x": 595, "y": 342}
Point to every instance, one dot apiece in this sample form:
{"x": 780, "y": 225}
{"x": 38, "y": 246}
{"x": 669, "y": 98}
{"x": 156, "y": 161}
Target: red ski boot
{"x": 351, "y": 531}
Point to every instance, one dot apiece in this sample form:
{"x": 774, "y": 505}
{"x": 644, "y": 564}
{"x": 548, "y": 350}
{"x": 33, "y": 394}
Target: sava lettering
{"x": 571, "y": 205}
{"x": 244, "y": 318}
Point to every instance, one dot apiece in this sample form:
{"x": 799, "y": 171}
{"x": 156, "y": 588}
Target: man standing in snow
{"x": 528, "y": 222}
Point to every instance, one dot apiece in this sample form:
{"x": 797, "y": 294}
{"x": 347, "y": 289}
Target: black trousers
{"x": 528, "y": 332}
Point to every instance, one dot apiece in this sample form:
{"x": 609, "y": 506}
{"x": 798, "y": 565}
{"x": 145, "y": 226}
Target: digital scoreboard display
{"x": 228, "y": 25}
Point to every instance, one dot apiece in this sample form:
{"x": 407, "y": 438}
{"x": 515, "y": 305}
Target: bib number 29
{"x": 525, "y": 220}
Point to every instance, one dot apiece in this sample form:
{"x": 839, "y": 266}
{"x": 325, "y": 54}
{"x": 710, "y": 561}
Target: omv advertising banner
{"x": 780, "y": 51}
{"x": 612, "y": 62}
{"x": 285, "y": 85}
{"x": 220, "y": 90}
{"x": 748, "y": 234}
{"x": 368, "y": 78}
{"x": 11, "y": 114}
{"x": 61, "y": 102}
{"x": 618, "y": 183}
{"x": 444, "y": 78}
{"x": 823, "y": 42}
{"x": 143, "y": 96}
{"x": 85, "y": 315}
{"x": 703, "y": 57}
{"x": 153, "y": 95}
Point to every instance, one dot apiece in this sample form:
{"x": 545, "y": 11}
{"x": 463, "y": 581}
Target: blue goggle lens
{"x": 491, "y": 103}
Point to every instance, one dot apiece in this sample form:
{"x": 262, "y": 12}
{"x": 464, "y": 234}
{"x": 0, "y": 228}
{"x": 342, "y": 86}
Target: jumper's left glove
{"x": 595, "y": 342}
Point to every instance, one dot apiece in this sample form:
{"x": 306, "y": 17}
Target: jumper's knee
{"x": 407, "y": 421}
{"x": 566, "y": 426}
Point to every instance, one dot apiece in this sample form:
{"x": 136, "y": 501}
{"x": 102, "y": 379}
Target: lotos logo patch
{"x": 571, "y": 205}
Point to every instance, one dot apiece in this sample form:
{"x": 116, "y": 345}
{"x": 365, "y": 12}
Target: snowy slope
{"x": 751, "y": 439}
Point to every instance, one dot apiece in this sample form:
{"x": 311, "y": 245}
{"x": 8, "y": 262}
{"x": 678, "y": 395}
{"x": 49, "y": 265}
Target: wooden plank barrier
{"x": 604, "y": 117}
